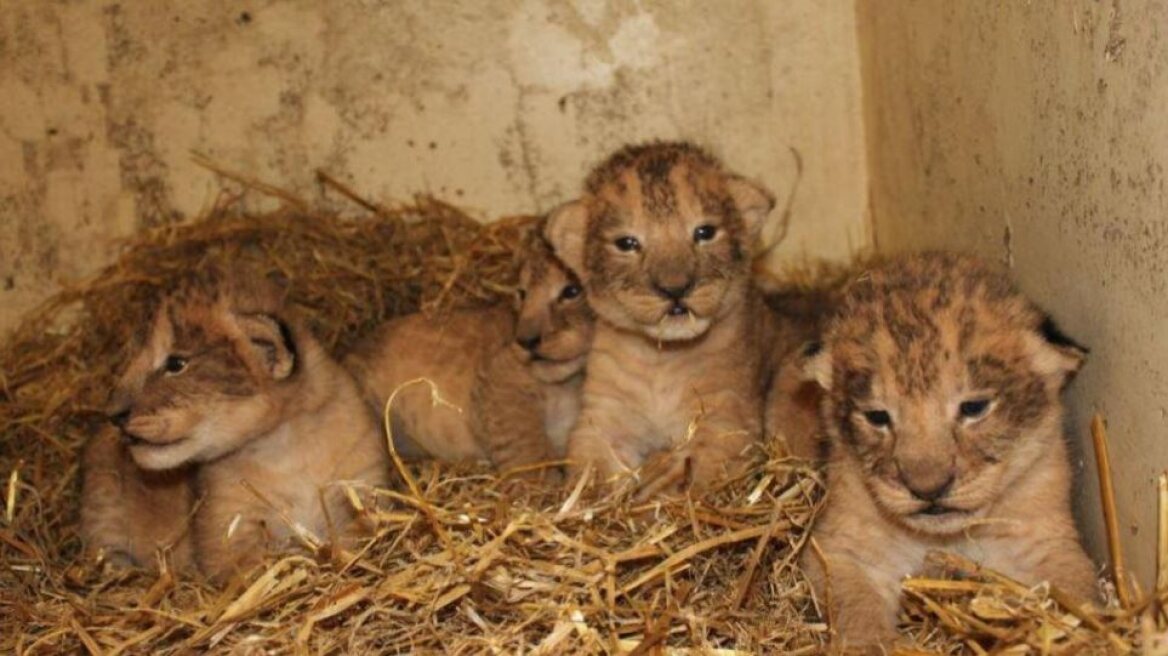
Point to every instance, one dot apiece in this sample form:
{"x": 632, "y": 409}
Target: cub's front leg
{"x": 609, "y": 436}
{"x": 862, "y": 600}
{"x": 231, "y": 531}
{"x": 716, "y": 446}
{"x": 127, "y": 513}
{"x": 508, "y": 414}
{"x": 1062, "y": 561}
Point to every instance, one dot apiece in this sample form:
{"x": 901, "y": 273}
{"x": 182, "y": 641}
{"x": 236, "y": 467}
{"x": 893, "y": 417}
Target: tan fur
{"x": 674, "y": 374}
{"x": 270, "y": 423}
{"x": 916, "y": 339}
{"x": 792, "y": 401}
{"x": 503, "y": 402}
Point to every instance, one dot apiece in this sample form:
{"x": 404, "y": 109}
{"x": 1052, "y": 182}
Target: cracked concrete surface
{"x": 498, "y": 106}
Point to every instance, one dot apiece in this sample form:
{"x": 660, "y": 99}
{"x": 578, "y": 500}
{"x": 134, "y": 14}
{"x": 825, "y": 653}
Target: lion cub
{"x": 232, "y": 389}
{"x": 942, "y": 407}
{"x": 662, "y": 241}
{"x": 511, "y": 384}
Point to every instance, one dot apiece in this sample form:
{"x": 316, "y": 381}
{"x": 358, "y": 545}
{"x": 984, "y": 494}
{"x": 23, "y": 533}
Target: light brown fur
{"x": 792, "y": 401}
{"x": 674, "y": 375}
{"x": 230, "y": 384}
{"x": 130, "y": 515}
{"x": 926, "y": 340}
{"x": 509, "y": 378}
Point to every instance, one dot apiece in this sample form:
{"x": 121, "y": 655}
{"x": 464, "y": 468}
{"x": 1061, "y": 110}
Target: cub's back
{"x": 445, "y": 349}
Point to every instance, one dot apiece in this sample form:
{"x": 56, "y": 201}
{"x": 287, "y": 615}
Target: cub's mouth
{"x": 556, "y": 367}
{"x": 135, "y": 442}
{"x": 940, "y": 519}
{"x": 937, "y": 509}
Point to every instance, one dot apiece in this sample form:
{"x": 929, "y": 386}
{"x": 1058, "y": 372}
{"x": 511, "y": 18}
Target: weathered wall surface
{"x": 1035, "y": 133}
{"x": 497, "y": 106}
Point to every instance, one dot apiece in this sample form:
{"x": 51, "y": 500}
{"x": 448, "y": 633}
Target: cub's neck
{"x": 319, "y": 399}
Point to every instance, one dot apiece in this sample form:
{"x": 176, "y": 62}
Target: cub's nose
{"x": 675, "y": 291}
{"x": 529, "y": 342}
{"x": 119, "y": 419}
{"x": 929, "y": 491}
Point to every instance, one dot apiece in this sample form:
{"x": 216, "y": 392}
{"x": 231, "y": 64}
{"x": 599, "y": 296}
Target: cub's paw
{"x": 113, "y": 561}
{"x": 665, "y": 473}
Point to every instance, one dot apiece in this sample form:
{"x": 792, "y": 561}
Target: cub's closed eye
{"x": 521, "y": 294}
{"x": 175, "y": 364}
{"x": 627, "y": 244}
{"x": 704, "y": 233}
{"x": 878, "y": 418}
{"x": 975, "y": 409}
{"x": 570, "y": 292}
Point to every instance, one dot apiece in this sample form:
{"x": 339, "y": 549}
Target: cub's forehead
{"x": 541, "y": 266}
{"x": 923, "y": 318}
{"x": 194, "y": 308}
{"x": 657, "y": 180}
{"x": 650, "y": 162}
{"x": 932, "y": 289}
{"x": 193, "y": 319}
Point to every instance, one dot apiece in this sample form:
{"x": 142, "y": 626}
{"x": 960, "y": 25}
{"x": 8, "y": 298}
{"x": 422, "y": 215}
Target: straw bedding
{"x": 458, "y": 560}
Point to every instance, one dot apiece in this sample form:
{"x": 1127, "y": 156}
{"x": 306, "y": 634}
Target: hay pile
{"x": 459, "y": 561}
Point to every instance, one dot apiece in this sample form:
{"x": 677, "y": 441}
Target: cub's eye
{"x": 975, "y": 409}
{"x": 878, "y": 418}
{"x": 704, "y": 233}
{"x": 627, "y": 244}
{"x": 175, "y": 364}
{"x": 570, "y": 292}
{"x": 521, "y": 294}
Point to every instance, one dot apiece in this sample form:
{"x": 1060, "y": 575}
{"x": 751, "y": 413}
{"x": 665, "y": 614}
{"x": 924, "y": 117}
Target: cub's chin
{"x": 677, "y": 328}
{"x": 557, "y": 371}
{"x": 159, "y": 457}
{"x": 940, "y": 523}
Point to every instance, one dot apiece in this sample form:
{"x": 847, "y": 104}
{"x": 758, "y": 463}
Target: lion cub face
{"x": 206, "y": 380}
{"x": 661, "y": 239}
{"x": 943, "y": 387}
{"x": 553, "y": 332}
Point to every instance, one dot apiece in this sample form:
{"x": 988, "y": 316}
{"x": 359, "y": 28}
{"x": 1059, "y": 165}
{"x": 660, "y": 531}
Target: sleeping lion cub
{"x": 942, "y": 407}
{"x": 662, "y": 241}
{"x": 511, "y": 384}
{"x": 234, "y": 393}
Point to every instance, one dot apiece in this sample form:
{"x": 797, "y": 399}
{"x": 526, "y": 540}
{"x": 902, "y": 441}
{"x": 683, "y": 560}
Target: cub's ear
{"x": 270, "y": 339}
{"x": 753, "y": 201}
{"x": 1055, "y": 354}
{"x": 816, "y": 364}
{"x": 565, "y": 229}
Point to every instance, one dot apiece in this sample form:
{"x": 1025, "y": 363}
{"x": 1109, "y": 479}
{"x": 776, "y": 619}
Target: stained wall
{"x": 1034, "y": 133}
{"x": 497, "y": 106}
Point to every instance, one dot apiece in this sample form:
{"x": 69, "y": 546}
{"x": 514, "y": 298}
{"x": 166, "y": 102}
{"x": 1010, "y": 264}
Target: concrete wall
{"x": 498, "y": 106}
{"x": 1035, "y": 133}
